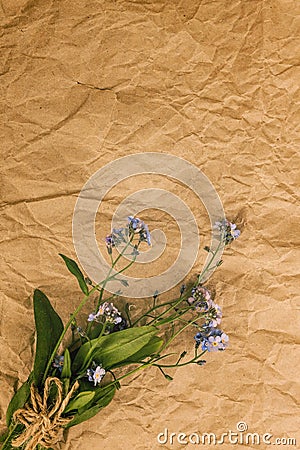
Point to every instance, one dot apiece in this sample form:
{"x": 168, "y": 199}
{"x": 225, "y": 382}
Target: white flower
{"x": 96, "y": 375}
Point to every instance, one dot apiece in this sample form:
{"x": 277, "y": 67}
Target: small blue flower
{"x": 228, "y": 230}
{"x": 92, "y": 317}
{"x": 110, "y": 243}
{"x": 119, "y": 235}
{"x": 58, "y": 362}
{"x": 118, "y": 232}
{"x": 215, "y": 314}
{"x": 200, "y": 298}
{"x": 216, "y": 341}
{"x": 81, "y": 332}
{"x": 234, "y": 232}
{"x": 199, "y": 293}
{"x": 199, "y": 338}
{"x": 120, "y": 325}
{"x": 109, "y": 312}
{"x": 212, "y": 341}
{"x": 109, "y": 240}
{"x": 136, "y": 225}
{"x": 115, "y": 238}
{"x": 96, "y": 375}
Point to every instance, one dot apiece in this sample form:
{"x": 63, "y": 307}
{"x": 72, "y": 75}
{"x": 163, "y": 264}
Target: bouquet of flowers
{"x": 77, "y": 370}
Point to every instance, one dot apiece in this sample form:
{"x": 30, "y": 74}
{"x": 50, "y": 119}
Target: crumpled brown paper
{"x": 217, "y": 83}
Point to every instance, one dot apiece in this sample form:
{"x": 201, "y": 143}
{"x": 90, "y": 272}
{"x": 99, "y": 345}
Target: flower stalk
{"x": 113, "y": 341}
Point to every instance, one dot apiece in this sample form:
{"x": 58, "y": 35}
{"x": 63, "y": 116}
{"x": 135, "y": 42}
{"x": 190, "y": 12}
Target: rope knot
{"x": 43, "y": 424}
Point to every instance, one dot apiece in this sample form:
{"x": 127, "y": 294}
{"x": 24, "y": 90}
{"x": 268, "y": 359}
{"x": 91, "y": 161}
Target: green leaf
{"x": 49, "y": 328}
{"x": 153, "y": 347}
{"x": 110, "y": 350}
{"x": 53, "y": 393}
{"x": 66, "y": 385}
{"x": 82, "y": 355}
{"x": 18, "y": 401}
{"x": 168, "y": 377}
{"x": 80, "y": 401}
{"x": 103, "y": 397}
{"x": 95, "y": 331}
{"x": 103, "y": 393}
{"x": 66, "y": 370}
{"x": 167, "y": 319}
{"x": 74, "y": 269}
{"x": 88, "y": 414}
{"x": 115, "y": 347}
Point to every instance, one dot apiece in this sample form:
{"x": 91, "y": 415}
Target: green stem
{"x": 89, "y": 353}
{"x": 131, "y": 372}
{"x": 152, "y": 309}
{"x": 191, "y": 361}
{"x": 109, "y": 277}
{"x": 141, "y": 367}
{"x": 178, "y": 317}
{"x": 175, "y": 336}
{"x": 68, "y": 324}
{"x": 114, "y": 262}
{"x": 176, "y": 302}
{"x": 151, "y": 362}
{"x": 200, "y": 277}
{"x": 122, "y": 270}
{"x": 173, "y": 304}
{"x": 127, "y": 312}
{"x": 166, "y": 311}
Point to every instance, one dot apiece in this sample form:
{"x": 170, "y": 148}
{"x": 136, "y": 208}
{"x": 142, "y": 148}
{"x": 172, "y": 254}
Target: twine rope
{"x": 43, "y": 424}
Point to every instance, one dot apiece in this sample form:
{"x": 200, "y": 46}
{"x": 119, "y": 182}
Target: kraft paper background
{"x": 214, "y": 82}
